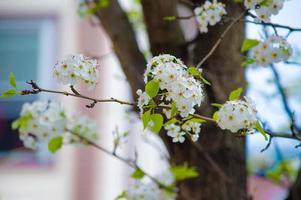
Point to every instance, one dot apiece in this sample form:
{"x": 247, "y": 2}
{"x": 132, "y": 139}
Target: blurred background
{"x": 35, "y": 34}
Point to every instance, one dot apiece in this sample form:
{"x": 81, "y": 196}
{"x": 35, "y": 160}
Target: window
{"x": 27, "y": 48}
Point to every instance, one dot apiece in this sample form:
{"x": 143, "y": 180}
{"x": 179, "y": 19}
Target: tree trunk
{"x": 224, "y": 72}
{"x": 295, "y": 190}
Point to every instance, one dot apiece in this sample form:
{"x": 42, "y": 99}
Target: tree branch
{"x": 115, "y": 22}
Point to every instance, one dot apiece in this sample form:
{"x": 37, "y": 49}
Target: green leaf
{"x": 157, "y": 119}
{"x": 12, "y": 80}
{"x": 260, "y": 129}
{"x": 21, "y": 122}
{"x": 122, "y": 195}
{"x": 215, "y": 116}
{"x": 248, "y": 44}
{"x": 218, "y": 105}
{"x": 169, "y": 18}
{"x": 204, "y": 80}
{"x": 9, "y": 93}
{"x": 194, "y": 71}
{"x": 146, "y": 118}
{"x": 174, "y": 109}
{"x": 196, "y": 120}
{"x": 137, "y": 174}
{"x": 171, "y": 121}
{"x": 182, "y": 172}
{"x": 248, "y": 62}
{"x": 235, "y": 94}
{"x": 55, "y": 144}
{"x": 152, "y": 88}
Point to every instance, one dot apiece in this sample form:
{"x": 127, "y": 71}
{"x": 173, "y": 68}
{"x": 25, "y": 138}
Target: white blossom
{"x": 175, "y": 132}
{"x": 274, "y": 49}
{"x": 237, "y": 115}
{"x": 143, "y": 99}
{"x": 210, "y": 13}
{"x": 42, "y": 120}
{"x": 175, "y": 82}
{"x": 76, "y": 68}
{"x": 264, "y": 9}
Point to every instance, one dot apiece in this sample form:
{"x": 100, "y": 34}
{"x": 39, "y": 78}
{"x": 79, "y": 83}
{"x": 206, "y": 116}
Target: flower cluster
{"x": 148, "y": 190}
{"x": 177, "y": 132}
{"x": 175, "y": 83}
{"x": 209, "y": 14}
{"x": 75, "y": 68}
{"x": 264, "y": 9}
{"x": 239, "y": 115}
{"x": 41, "y": 121}
{"x": 274, "y": 49}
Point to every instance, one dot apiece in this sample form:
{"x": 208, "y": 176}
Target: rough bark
{"x": 295, "y": 190}
{"x": 164, "y": 36}
{"x": 122, "y": 35}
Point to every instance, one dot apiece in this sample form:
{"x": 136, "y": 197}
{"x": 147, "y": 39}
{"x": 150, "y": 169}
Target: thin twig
{"x": 222, "y": 36}
{"x": 130, "y": 163}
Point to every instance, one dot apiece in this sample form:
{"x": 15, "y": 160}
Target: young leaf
{"x": 157, "y": 119}
{"x": 194, "y": 71}
{"x": 12, "y": 80}
{"x": 248, "y": 62}
{"x": 182, "y": 172}
{"x": 171, "y": 121}
{"x": 215, "y": 116}
{"x": 197, "y": 120}
{"x": 204, "y": 80}
{"x": 218, "y": 105}
{"x": 122, "y": 195}
{"x": 55, "y": 144}
{"x": 169, "y": 18}
{"x": 248, "y": 44}
{"x": 145, "y": 118}
{"x": 9, "y": 93}
{"x": 235, "y": 94}
{"x": 152, "y": 88}
{"x": 137, "y": 174}
{"x": 260, "y": 129}
{"x": 174, "y": 109}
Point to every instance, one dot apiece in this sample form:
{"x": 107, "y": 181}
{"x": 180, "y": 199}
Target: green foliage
{"x": 171, "y": 121}
{"x": 21, "y": 122}
{"x": 169, "y": 18}
{"x": 12, "y": 91}
{"x": 152, "y": 88}
{"x": 248, "y": 62}
{"x": 235, "y": 94}
{"x": 9, "y": 93}
{"x": 197, "y": 120}
{"x": 265, "y": 2}
{"x": 174, "y": 109}
{"x": 93, "y": 8}
{"x": 137, "y": 174}
{"x": 218, "y": 105}
{"x": 284, "y": 167}
{"x": 195, "y": 72}
{"x": 182, "y": 172}
{"x": 55, "y": 144}
{"x": 122, "y": 195}
{"x": 260, "y": 129}
{"x": 215, "y": 116}
{"x": 146, "y": 118}
{"x": 248, "y": 44}
{"x": 12, "y": 80}
{"x": 157, "y": 120}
